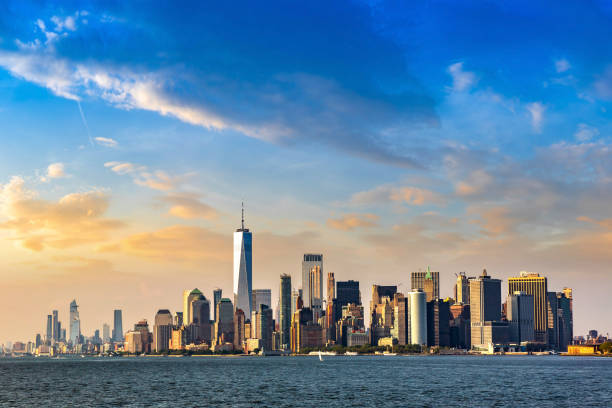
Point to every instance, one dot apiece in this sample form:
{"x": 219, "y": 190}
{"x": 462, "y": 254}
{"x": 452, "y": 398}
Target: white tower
{"x": 243, "y": 268}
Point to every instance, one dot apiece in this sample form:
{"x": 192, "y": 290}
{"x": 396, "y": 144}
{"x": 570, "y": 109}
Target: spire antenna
{"x": 243, "y": 215}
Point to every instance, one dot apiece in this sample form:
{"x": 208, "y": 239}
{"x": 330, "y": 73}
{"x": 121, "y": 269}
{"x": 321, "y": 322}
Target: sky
{"x": 389, "y": 136}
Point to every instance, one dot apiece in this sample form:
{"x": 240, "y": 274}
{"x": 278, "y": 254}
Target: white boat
{"x": 320, "y": 356}
{"x": 351, "y": 353}
{"x": 386, "y": 353}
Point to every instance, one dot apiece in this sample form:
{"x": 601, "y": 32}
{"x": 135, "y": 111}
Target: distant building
{"x": 243, "y": 269}
{"x": 49, "y": 336}
{"x": 438, "y": 323}
{"x": 460, "y": 327}
{"x": 331, "y": 287}
{"x": 145, "y": 335}
{"x": 261, "y": 297}
{"x": 56, "y": 326}
{"x": 304, "y": 332}
{"x": 296, "y": 300}
{"x": 381, "y": 310}
{"x": 266, "y": 327}
{"x": 239, "y": 330}
{"x": 520, "y": 316}
{"x": 348, "y": 292}
{"x": 418, "y": 279}
{"x": 75, "y": 323}
{"x": 224, "y": 326}
{"x": 356, "y": 337}
{"x": 485, "y": 312}
{"x": 106, "y": 333}
{"x": 217, "y": 295}
{"x": 537, "y": 286}
{"x": 462, "y": 289}
{"x": 117, "y": 326}
{"x": 162, "y": 330}
{"x": 418, "y": 318}
{"x": 565, "y": 319}
{"x": 552, "y": 333}
{"x": 352, "y": 319}
{"x": 312, "y": 296}
{"x": 133, "y": 342}
{"x": 285, "y": 310}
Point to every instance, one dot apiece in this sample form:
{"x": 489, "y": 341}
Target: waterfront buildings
{"x": 438, "y": 323}
{"x": 261, "y": 297}
{"x": 217, "y": 295}
{"x": 49, "y": 334}
{"x": 106, "y": 333}
{"x": 312, "y": 281}
{"x": 304, "y": 332}
{"x": 239, "y": 329}
{"x": 462, "y": 289}
{"x": 418, "y": 318}
{"x": 331, "y": 286}
{"x": 285, "y": 310}
{"x": 224, "y": 325}
{"x": 243, "y": 269}
{"x": 537, "y": 286}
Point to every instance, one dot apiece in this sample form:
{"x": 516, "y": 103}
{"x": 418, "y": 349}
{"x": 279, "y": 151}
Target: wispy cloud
{"x": 562, "y": 65}
{"x": 536, "y": 111}
{"x": 352, "y": 221}
{"x": 106, "y": 142}
{"x": 462, "y": 80}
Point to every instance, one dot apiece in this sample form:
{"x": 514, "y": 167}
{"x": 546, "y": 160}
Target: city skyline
{"x": 389, "y": 139}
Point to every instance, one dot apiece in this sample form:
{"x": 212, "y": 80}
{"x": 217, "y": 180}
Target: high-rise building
{"x": 418, "y": 317}
{"x": 261, "y": 297}
{"x": 304, "y": 332}
{"x": 312, "y": 296}
{"x": 347, "y": 292}
{"x": 56, "y": 326}
{"x": 297, "y": 301}
{"x": 381, "y": 310}
{"x": 186, "y": 293}
{"x": 552, "y": 329}
{"x": 49, "y": 329}
{"x": 331, "y": 287}
{"x": 217, "y": 295}
{"x": 520, "y": 315}
{"x": 117, "y": 326}
{"x": 462, "y": 289}
{"x": 239, "y": 329}
{"x": 243, "y": 269}
{"x": 106, "y": 333}
{"x": 285, "y": 310}
{"x": 438, "y": 323}
{"x": 485, "y": 312}
{"x": 565, "y": 319}
{"x": 315, "y": 286}
{"x": 162, "y": 330}
{"x": 178, "y": 319}
{"x": 537, "y": 286}
{"x": 75, "y": 323}
{"x": 224, "y": 325}
{"x": 266, "y": 327}
{"x": 194, "y": 295}
{"x": 417, "y": 281}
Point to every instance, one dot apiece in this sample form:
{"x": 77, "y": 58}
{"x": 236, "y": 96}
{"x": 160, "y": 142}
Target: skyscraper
{"x": 193, "y": 295}
{"x": 75, "y": 323}
{"x": 417, "y": 281}
{"x": 162, "y": 330}
{"x": 285, "y": 310}
{"x": 331, "y": 287}
{"x": 418, "y": 318}
{"x": 462, "y": 289}
{"x": 217, "y": 295}
{"x": 537, "y": 286}
{"x": 565, "y": 319}
{"x": 485, "y": 312}
{"x": 312, "y": 296}
{"x": 106, "y": 333}
{"x": 520, "y": 315}
{"x": 224, "y": 325}
{"x": 348, "y": 292}
{"x": 261, "y": 297}
{"x": 243, "y": 269}
{"x": 266, "y": 327}
{"x": 186, "y": 293}
{"x": 551, "y": 313}
{"x": 117, "y": 326}
{"x": 49, "y": 329}
{"x": 56, "y": 326}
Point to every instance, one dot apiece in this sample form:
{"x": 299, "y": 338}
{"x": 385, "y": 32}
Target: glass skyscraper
{"x": 75, "y": 323}
{"x": 243, "y": 269}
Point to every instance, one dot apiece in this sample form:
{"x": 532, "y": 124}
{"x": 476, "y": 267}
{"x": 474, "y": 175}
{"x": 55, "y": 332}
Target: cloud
{"x": 584, "y": 132}
{"x": 54, "y": 171}
{"x": 121, "y": 167}
{"x": 562, "y": 65}
{"x": 462, "y": 80}
{"x": 536, "y": 110}
{"x": 75, "y": 219}
{"x": 401, "y": 194}
{"x": 353, "y": 221}
{"x": 175, "y": 243}
{"x": 106, "y": 142}
{"x": 189, "y": 207}
{"x": 476, "y": 183}
{"x": 603, "y": 84}
{"x": 284, "y": 103}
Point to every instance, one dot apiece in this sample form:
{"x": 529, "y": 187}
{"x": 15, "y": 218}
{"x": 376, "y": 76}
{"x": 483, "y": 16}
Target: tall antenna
{"x": 243, "y": 215}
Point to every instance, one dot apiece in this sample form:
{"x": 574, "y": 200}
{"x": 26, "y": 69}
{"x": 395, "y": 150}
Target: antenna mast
{"x": 243, "y": 215}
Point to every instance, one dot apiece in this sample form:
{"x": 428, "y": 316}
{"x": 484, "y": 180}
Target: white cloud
{"x": 106, "y": 141}
{"x": 462, "y": 80}
{"x": 54, "y": 171}
{"x": 536, "y": 110}
{"x": 562, "y": 65}
{"x": 585, "y": 132}
{"x": 120, "y": 167}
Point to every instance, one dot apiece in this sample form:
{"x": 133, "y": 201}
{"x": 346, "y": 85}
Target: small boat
{"x": 320, "y": 356}
{"x": 386, "y": 353}
{"x": 351, "y": 353}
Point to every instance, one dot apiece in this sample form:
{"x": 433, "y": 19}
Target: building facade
{"x": 243, "y": 269}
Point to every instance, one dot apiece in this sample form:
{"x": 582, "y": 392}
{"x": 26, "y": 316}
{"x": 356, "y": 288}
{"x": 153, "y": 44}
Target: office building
{"x": 75, "y": 323}
{"x": 117, "y": 326}
{"x": 551, "y": 328}
{"x": 352, "y": 318}
{"x": 460, "y": 327}
{"x": 520, "y": 317}
{"x": 162, "y": 330}
{"x": 285, "y": 311}
{"x": 462, "y": 289}
{"x": 239, "y": 329}
{"x": 438, "y": 323}
{"x": 305, "y": 332}
{"x": 217, "y": 295}
{"x": 243, "y": 268}
{"x": 49, "y": 335}
{"x": 145, "y": 335}
{"x": 537, "y": 286}
{"x": 565, "y": 328}
{"x": 381, "y": 310}
{"x": 133, "y": 342}
{"x": 348, "y": 292}
{"x": 186, "y": 293}
{"x": 331, "y": 286}
{"x": 418, "y": 318}
{"x": 266, "y": 327}
{"x": 418, "y": 281}
{"x": 56, "y": 326}
{"x": 224, "y": 326}
{"x": 261, "y": 297}
{"x": 485, "y": 312}
{"x": 312, "y": 296}
{"x": 106, "y": 333}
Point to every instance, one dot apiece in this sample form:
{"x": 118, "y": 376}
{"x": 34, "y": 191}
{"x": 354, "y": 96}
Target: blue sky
{"x": 386, "y": 135}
